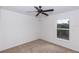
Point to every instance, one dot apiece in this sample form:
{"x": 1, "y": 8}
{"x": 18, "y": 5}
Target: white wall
{"x": 40, "y": 26}
{"x": 49, "y": 29}
{"x": 16, "y": 28}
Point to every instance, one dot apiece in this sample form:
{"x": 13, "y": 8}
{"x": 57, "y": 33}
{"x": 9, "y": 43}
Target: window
{"x": 63, "y": 29}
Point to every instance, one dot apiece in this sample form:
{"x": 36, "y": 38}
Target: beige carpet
{"x": 38, "y": 46}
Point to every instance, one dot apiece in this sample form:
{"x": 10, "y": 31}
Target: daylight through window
{"x": 63, "y": 29}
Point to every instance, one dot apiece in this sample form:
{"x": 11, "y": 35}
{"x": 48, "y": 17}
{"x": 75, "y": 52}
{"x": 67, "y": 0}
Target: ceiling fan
{"x": 41, "y": 11}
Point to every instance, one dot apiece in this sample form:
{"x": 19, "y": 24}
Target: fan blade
{"x": 36, "y": 8}
{"x": 37, "y": 14}
{"x": 45, "y": 14}
{"x": 48, "y": 10}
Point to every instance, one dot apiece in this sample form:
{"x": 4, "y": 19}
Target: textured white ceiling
{"x": 30, "y": 9}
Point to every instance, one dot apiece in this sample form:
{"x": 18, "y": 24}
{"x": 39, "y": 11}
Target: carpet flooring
{"x": 38, "y": 46}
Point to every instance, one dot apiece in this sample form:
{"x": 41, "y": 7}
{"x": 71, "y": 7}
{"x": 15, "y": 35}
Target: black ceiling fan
{"x": 41, "y": 11}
